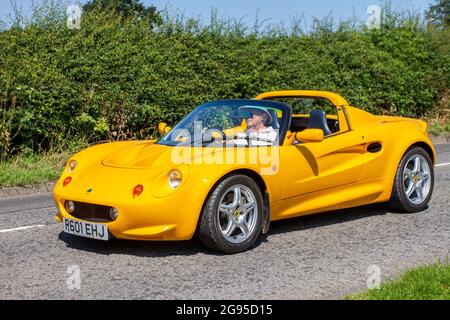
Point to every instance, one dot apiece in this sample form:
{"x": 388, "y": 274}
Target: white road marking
{"x": 21, "y": 228}
{"x": 443, "y": 164}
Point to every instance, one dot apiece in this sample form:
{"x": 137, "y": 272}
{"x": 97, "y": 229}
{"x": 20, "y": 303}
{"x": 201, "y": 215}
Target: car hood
{"x": 141, "y": 155}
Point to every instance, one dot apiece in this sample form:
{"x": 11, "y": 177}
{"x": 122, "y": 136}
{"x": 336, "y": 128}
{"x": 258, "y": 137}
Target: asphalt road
{"x": 321, "y": 256}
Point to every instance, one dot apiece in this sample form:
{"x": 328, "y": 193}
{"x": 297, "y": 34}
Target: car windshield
{"x": 231, "y": 122}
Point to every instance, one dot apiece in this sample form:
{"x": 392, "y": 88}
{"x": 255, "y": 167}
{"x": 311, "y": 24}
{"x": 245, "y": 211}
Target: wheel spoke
{"x": 244, "y": 229}
{"x": 227, "y": 209}
{"x": 236, "y": 197}
{"x": 249, "y": 206}
{"x": 419, "y": 192}
{"x": 410, "y": 189}
{"x": 417, "y": 163}
{"x": 230, "y": 228}
{"x": 408, "y": 174}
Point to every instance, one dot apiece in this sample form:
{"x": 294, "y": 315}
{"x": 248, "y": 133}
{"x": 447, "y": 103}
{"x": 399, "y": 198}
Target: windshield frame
{"x": 284, "y": 123}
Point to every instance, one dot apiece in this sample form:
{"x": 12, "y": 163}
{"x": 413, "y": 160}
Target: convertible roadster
{"x": 230, "y": 167}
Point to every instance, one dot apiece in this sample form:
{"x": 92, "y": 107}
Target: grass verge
{"x": 437, "y": 129}
{"x": 25, "y": 170}
{"x": 423, "y": 283}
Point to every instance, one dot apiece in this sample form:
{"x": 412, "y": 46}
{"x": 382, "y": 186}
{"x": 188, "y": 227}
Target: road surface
{"x": 324, "y": 256}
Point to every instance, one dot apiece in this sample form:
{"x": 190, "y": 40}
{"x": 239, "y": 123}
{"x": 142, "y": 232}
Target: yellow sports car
{"x": 231, "y": 167}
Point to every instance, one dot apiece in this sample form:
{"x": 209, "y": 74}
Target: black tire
{"x": 399, "y": 199}
{"x": 210, "y": 231}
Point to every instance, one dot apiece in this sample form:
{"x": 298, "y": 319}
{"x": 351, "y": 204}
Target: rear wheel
{"x": 414, "y": 181}
{"x": 232, "y": 218}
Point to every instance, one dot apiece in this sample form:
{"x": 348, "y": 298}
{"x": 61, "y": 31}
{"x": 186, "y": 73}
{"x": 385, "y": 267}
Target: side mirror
{"x": 163, "y": 128}
{"x": 310, "y": 135}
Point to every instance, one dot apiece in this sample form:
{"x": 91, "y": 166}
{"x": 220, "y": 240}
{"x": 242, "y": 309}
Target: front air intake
{"x": 91, "y": 212}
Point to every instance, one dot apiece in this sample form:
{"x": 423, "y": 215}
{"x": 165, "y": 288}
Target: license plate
{"x": 86, "y": 229}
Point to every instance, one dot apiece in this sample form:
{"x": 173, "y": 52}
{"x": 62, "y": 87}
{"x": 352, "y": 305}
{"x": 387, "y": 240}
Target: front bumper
{"x": 143, "y": 218}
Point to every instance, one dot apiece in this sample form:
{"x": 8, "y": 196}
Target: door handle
{"x": 374, "y": 147}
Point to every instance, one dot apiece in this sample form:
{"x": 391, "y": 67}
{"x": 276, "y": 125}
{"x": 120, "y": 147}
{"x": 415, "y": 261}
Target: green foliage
{"x": 125, "y": 8}
{"x": 423, "y": 283}
{"x": 435, "y": 129}
{"x": 119, "y": 75}
{"x": 438, "y": 129}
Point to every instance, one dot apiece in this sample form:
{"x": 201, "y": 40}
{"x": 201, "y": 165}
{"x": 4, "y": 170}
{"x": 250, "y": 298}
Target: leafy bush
{"x": 118, "y": 76}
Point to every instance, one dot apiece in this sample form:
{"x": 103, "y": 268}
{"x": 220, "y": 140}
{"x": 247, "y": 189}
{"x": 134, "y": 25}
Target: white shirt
{"x": 264, "y": 137}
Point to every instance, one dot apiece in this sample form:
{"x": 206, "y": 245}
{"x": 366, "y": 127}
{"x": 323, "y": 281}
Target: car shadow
{"x": 327, "y": 218}
{"x": 194, "y": 246}
{"x": 136, "y": 248}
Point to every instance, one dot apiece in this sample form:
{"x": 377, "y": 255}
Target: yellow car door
{"x": 315, "y": 166}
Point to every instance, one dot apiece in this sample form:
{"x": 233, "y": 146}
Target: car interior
{"x": 317, "y": 119}
{"x": 311, "y": 114}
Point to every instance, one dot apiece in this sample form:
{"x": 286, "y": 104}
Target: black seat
{"x": 318, "y": 120}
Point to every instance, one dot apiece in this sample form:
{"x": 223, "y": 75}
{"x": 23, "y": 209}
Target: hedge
{"x": 116, "y": 78}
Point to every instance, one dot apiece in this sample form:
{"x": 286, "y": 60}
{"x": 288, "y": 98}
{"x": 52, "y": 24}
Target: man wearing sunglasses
{"x": 259, "y": 127}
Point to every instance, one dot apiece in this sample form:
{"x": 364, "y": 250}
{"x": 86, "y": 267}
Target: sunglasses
{"x": 250, "y": 114}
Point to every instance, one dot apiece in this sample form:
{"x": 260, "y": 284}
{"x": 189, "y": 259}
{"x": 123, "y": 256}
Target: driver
{"x": 259, "y": 127}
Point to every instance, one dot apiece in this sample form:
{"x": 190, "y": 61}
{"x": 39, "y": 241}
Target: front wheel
{"x": 232, "y": 217}
{"x": 414, "y": 181}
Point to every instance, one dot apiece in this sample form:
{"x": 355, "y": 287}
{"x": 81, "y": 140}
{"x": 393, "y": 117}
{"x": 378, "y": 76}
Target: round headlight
{"x": 72, "y": 165}
{"x": 70, "y": 206}
{"x": 113, "y": 213}
{"x": 175, "y": 178}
